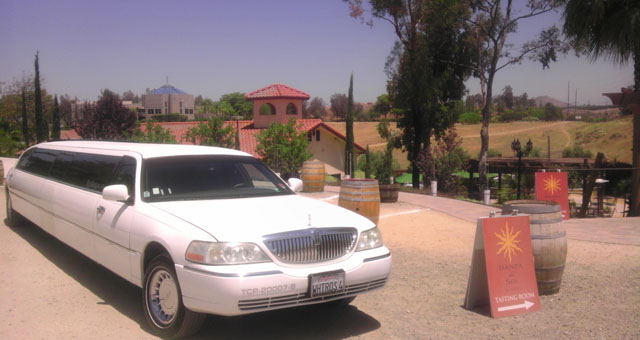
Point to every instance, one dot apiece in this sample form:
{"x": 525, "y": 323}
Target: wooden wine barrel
{"x": 548, "y": 238}
{"x": 313, "y": 176}
{"x": 361, "y": 196}
{"x": 389, "y": 193}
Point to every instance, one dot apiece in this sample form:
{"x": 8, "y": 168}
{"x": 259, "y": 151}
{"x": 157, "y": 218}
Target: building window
{"x": 150, "y": 111}
{"x": 291, "y": 109}
{"x": 267, "y": 109}
{"x": 181, "y": 110}
{"x": 317, "y": 135}
{"x": 309, "y": 135}
{"x": 158, "y": 111}
{"x": 165, "y": 104}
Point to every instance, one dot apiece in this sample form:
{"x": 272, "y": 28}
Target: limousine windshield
{"x": 208, "y": 177}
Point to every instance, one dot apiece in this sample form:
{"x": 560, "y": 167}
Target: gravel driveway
{"x": 49, "y": 291}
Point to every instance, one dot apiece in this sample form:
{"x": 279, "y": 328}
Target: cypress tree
{"x": 25, "y": 122}
{"x": 55, "y": 120}
{"x": 349, "y": 156}
{"x": 41, "y": 128}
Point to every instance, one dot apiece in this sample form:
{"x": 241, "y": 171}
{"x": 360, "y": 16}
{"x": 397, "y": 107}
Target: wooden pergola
{"x": 502, "y": 165}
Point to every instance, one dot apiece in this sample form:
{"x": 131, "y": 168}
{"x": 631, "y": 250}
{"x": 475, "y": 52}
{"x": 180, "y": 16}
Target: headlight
{"x": 225, "y": 253}
{"x": 370, "y": 239}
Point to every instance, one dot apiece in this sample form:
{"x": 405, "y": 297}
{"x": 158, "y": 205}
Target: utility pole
{"x": 575, "y": 105}
{"x": 568, "y": 95}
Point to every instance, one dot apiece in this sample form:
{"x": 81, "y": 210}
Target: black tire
{"x": 13, "y": 218}
{"x": 167, "y": 316}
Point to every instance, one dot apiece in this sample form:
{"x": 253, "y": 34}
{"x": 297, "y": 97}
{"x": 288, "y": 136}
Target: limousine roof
{"x": 146, "y": 150}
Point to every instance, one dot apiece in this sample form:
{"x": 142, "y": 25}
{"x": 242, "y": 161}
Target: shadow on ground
{"x": 309, "y": 322}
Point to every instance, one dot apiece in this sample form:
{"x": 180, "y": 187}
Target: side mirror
{"x": 295, "y": 184}
{"x": 116, "y": 192}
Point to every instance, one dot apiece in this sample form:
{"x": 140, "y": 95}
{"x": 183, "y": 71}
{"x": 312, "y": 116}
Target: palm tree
{"x": 606, "y": 28}
{"x": 611, "y": 29}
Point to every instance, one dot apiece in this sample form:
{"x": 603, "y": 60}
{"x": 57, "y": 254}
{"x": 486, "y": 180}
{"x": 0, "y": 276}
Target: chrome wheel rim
{"x": 162, "y": 298}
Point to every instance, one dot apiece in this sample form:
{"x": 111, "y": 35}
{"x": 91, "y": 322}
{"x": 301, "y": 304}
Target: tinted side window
{"x": 60, "y": 168}
{"x": 126, "y": 174}
{"x": 24, "y": 161}
{"x": 91, "y": 171}
{"x": 40, "y": 161}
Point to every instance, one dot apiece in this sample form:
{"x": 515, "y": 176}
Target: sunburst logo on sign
{"x": 508, "y": 242}
{"x": 551, "y": 185}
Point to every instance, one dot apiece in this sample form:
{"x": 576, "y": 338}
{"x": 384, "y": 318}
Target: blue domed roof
{"x": 167, "y": 89}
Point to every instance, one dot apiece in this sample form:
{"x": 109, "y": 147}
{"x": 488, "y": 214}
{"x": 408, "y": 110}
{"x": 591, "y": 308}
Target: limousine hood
{"x": 248, "y": 219}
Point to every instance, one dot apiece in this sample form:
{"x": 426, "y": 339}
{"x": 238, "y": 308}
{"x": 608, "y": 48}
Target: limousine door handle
{"x": 101, "y": 210}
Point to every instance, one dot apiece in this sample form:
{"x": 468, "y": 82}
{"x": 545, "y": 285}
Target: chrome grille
{"x": 311, "y": 245}
{"x": 304, "y": 299}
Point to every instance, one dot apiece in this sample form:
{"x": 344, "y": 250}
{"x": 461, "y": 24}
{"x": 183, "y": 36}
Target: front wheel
{"x": 162, "y": 301}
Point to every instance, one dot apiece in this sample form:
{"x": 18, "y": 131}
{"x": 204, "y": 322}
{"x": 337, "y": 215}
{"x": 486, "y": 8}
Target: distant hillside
{"x": 543, "y": 100}
{"x": 613, "y": 138}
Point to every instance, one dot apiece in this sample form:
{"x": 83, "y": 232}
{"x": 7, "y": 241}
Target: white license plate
{"x": 326, "y": 283}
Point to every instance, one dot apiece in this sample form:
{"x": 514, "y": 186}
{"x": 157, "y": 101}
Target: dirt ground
{"x": 49, "y": 291}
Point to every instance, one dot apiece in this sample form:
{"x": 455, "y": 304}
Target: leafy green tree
{"x": 507, "y": 95}
{"x": 107, "y": 119}
{"x": 9, "y": 143}
{"x": 152, "y": 133}
{"x": 315, "y": 109}
{"x": 212, "y": 132}
{"x": 491, "y": 22}
{"x": 239, "y": 105}
{"x": 443, "y": 160}
{"x": 424, "y": 67}
{"x": 25, "y": 121}
{"x": 42, "y": 133}
{"x": 349, "y": 154}
{"x": 284, "y": 147}
{"x": 339, "y": 105}
{"x": 611, "y": 28}
{"x": 382, "y": 105}
{"x": 55, "y": 120}
{"x": 551, "y": 112}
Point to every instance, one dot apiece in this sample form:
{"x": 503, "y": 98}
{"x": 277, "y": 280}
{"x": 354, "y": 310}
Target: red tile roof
{"x": 248, "y": 140}
{"x": 275, "y": 91}
{"x": 69, "y": 134}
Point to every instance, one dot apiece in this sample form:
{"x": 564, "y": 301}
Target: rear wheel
{"x": 162, "y": 301}
{"x": 13, "y": 218}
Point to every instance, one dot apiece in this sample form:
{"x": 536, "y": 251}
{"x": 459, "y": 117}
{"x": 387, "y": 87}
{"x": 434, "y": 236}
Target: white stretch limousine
{"x": 200, "y": 229}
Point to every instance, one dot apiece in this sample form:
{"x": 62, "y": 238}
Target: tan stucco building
{"x": 165, "y": 100}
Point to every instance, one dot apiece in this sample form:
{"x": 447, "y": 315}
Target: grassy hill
{"x": 613, "y": 138}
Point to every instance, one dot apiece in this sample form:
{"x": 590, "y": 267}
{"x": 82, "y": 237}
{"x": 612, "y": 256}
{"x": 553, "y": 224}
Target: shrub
{"x": 470, "y": 118}
{"x": 576, "y": 152}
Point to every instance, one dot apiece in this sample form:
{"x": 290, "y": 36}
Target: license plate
{"x": 326, "y": 283}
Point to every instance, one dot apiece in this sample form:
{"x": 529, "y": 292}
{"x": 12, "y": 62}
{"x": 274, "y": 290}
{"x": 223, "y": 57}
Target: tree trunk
{"x": 483, "y": 182}
{"x": 634, "y": 208}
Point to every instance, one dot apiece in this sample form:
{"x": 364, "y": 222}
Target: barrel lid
{"x": 360, "y": 181}
{"x": 531, "y": 207}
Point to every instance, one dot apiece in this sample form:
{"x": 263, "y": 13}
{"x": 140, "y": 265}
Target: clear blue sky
{"x": 215, "y": 47}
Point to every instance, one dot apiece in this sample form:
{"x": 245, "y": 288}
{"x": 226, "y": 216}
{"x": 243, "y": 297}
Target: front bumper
{"x": 234, "y": 292}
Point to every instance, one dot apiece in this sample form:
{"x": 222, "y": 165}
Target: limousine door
{"x": 113, "y": 222}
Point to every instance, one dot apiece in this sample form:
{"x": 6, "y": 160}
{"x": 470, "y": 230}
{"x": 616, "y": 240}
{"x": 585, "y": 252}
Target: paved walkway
{"x": 607, "y": 230}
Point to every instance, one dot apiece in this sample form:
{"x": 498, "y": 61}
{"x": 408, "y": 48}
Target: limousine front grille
{"x": 311, "y": 245}
{"x": 303, "y": 298}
